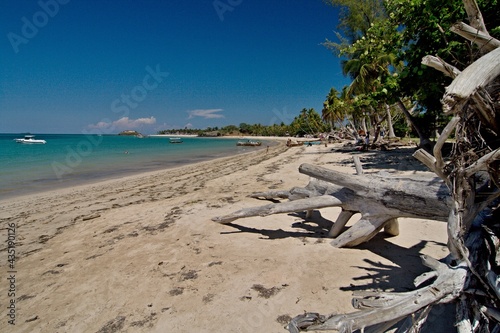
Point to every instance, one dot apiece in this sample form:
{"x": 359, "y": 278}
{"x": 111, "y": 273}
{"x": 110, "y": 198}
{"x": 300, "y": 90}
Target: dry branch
{"x": 483, "y": 40}
{"x": 440, "y": 65}
{"x": 436, "y": 163}
{"x": 474, "y": 15}
{"x": 472, "y": 173}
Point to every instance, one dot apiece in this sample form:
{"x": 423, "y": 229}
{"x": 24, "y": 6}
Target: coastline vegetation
{"x": 307, "y": 123}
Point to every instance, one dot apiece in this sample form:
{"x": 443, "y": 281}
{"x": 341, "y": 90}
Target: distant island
{"x": 131, "y": 133}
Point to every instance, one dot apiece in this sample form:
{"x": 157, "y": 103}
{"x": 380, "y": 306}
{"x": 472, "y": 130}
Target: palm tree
{"x": 333, "y": 109}
{"x": 371, "y": 67}
{"x": 368, "y": 72}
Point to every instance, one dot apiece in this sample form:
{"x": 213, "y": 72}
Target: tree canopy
{"x": 382, "y": 45}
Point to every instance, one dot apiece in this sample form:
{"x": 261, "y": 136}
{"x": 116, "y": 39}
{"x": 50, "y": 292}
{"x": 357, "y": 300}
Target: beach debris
{"x": 189, "y": 275}
{"x": 31, "y": 319}
{"x": 284, "y": 319}
{"x": 91, "y": 216}
{"x": 114, "y": 325}
{"x": 213, "y": 263}
{"x": 176, "y": 291}
{"x": 265, "y": 292}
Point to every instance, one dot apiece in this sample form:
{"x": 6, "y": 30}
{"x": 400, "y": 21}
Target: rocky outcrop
{"x": 130, "y": 133}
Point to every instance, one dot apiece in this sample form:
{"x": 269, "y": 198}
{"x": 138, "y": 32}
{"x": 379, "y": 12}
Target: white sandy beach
{"x": 141, "y": 254}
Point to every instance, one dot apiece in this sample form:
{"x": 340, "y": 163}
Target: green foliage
{"x": 401, "y": 128}
{"x": 335, "y": 109}
{"x": 357, "y": 16}
{"x": 245, "y": 128}
{"x": 383, "y": 53}
{"x": 308, "y": 122}
{"x": 424, "y": 27}
{"x": 230, "y": 129}
{"x": 372, "y": 64}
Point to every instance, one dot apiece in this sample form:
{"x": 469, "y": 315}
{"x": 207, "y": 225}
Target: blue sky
{"x": 75, "y": 66}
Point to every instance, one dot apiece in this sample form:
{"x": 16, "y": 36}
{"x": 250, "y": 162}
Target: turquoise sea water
{"x": 72, "y": 159}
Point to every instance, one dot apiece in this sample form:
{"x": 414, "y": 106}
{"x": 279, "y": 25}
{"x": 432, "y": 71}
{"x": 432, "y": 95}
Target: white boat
{"x": 30, "y": 139}
{"x": 175, "y": 140}
{"x": 249, "y": 143}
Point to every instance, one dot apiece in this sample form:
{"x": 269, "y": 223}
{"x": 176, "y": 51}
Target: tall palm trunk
{"x": 389, "y": 121}
{"x": 363, "y": 124}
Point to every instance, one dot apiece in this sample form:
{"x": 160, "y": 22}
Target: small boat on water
{"x": 249, "y": 143}
{"x": 312, "y": 142}
{"x": 175, "y": 140}
{"x": 30, "y": 139}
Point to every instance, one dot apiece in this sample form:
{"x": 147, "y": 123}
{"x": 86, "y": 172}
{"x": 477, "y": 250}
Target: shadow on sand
{"x": 398, "y": 276}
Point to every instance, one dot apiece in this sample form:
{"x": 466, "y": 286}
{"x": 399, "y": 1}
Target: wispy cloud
{"x": 123, "y": 123}
{"x": 206, "y": 113}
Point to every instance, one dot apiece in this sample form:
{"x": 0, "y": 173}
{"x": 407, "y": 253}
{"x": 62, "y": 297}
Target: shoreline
{"x": 95, "y": 177}
{"x": 141, "y": 254}
{"x": 82, "y": 184}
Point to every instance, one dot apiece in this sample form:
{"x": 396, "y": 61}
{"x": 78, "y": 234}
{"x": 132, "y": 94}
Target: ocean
{"x": 73, "y": 159}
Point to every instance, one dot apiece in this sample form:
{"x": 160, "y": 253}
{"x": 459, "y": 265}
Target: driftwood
{"x": 467, "y": 197}
{"x": 379, "y": 199}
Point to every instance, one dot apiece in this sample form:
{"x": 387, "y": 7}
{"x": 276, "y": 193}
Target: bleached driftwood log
{"x": 380, "y": 200}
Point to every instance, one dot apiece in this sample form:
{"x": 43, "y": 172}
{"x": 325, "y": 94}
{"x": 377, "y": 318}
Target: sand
{"x": 141, "y": 254}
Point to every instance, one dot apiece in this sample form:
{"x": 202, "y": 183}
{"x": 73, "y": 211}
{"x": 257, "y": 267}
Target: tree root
{"x": 389, "y": 308}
